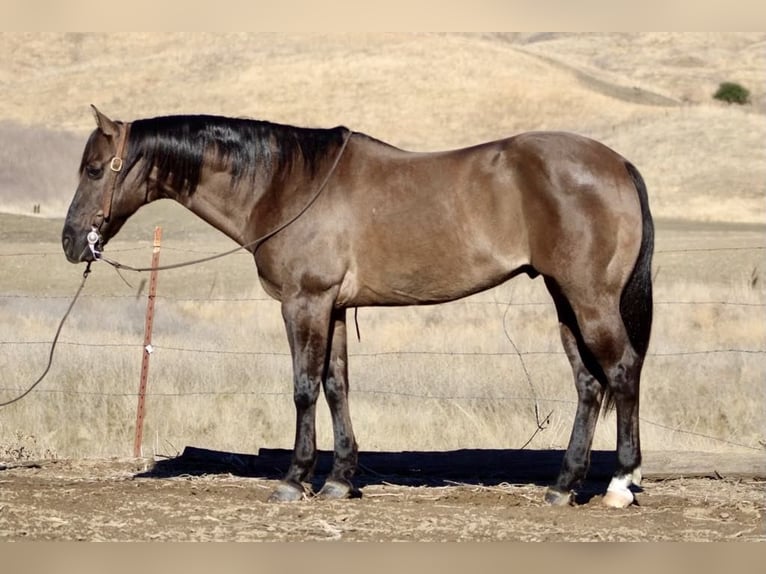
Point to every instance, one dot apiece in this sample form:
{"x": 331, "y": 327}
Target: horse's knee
{"x": 335, "y": 391}
{"x": 305, "y": 392}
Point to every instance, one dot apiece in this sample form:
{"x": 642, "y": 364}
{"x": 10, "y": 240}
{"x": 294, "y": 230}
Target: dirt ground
{"x": 109, "y": 500}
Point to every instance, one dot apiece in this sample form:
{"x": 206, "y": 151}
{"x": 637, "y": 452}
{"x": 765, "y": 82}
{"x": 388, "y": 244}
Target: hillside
{"x": 646, "y": 95}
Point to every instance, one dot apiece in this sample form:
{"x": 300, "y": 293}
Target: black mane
{"x": 177, "y": 146}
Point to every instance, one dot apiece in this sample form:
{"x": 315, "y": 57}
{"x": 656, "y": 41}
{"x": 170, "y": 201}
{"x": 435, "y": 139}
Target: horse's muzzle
{"x": 75, "y": 246}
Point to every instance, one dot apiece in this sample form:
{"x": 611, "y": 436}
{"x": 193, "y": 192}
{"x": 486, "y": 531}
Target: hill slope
{"x": 646, "y": 95}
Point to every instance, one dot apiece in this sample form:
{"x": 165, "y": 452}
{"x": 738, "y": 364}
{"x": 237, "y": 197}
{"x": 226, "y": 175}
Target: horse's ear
{"x": 104, "y": 123}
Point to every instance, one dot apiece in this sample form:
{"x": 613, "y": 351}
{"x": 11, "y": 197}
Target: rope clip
{"x": 93, "y": 239}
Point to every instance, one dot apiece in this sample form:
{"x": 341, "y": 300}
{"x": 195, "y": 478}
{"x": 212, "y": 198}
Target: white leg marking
{"x": 618, "y": 495}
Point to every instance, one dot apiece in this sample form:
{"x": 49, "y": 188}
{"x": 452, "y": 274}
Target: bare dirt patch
{"x": 107, "y": 500}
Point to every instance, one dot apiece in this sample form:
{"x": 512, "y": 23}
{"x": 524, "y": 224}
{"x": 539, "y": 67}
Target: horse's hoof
{"x": 334, "y": 490}
{"x": 618, "y": 498}
{"x": 558, "y": 498}
{"x": 286, "y": 492}
{"x": 618, "y": 494}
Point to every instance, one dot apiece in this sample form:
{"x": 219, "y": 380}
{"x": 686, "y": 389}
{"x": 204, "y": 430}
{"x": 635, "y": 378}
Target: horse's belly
{"x": 409, "y": 280}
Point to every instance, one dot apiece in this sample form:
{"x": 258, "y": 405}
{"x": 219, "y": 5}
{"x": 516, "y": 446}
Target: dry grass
{"x": 703, "y": 162}
{"x": 230, "y": 388}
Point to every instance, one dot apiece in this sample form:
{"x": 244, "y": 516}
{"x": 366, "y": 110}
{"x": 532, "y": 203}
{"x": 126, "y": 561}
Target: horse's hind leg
{"x": 605, "y": 364}
{"x": 623, "y": 373}
{"x": 589, "y": 395}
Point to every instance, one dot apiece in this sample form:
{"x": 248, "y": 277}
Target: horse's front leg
{"x": 338, "y": 484}
{"x": 307, "y": 320}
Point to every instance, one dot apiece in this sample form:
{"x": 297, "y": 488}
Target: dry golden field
{"x": 435, "y": 378}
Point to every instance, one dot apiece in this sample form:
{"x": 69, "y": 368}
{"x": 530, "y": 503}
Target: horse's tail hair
{"x": 636, "y": 300}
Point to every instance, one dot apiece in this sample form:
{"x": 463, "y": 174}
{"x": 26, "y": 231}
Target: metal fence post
{"x": 137, "y": 449}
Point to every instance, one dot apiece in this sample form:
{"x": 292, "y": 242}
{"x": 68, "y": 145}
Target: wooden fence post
{"x": 137, "y": 449}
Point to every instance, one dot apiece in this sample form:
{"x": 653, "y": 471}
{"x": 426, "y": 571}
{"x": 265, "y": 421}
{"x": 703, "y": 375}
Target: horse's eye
{"x": 94, "y": 171}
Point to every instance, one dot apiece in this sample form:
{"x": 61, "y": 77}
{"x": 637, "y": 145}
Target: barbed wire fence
{"x": 12, "y": 345}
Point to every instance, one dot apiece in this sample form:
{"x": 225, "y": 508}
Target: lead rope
{"x": 93, "y": 236}
{"x": 55, "y": 341}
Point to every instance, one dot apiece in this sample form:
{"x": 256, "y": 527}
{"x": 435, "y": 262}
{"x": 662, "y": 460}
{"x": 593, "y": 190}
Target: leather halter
{"x": 115, "y": 166}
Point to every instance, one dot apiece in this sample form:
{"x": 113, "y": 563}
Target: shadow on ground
{"x": 485, "y": 467}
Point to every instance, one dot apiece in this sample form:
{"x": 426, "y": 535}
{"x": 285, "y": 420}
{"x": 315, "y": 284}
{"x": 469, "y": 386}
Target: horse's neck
{"x": 232, "y": 209}
{"x": 225, "y": 208}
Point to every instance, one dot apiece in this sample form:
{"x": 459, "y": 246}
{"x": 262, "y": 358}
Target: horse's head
{"x": 106, "y": 196}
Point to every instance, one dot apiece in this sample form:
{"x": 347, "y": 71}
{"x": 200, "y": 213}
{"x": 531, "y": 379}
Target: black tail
{"x": 636, "y": 299}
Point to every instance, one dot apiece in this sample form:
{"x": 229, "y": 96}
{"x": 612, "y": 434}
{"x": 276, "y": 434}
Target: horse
{"x": 336, "y": 219}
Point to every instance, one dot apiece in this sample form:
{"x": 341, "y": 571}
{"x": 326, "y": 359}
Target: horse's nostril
{"x": 68, "y": 243}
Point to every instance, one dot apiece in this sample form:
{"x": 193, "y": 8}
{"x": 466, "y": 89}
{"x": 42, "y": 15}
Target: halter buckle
{"x": 116, "y": 164}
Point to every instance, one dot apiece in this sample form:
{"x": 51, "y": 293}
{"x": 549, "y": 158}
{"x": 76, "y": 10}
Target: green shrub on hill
{"x": 732, "y": 93}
